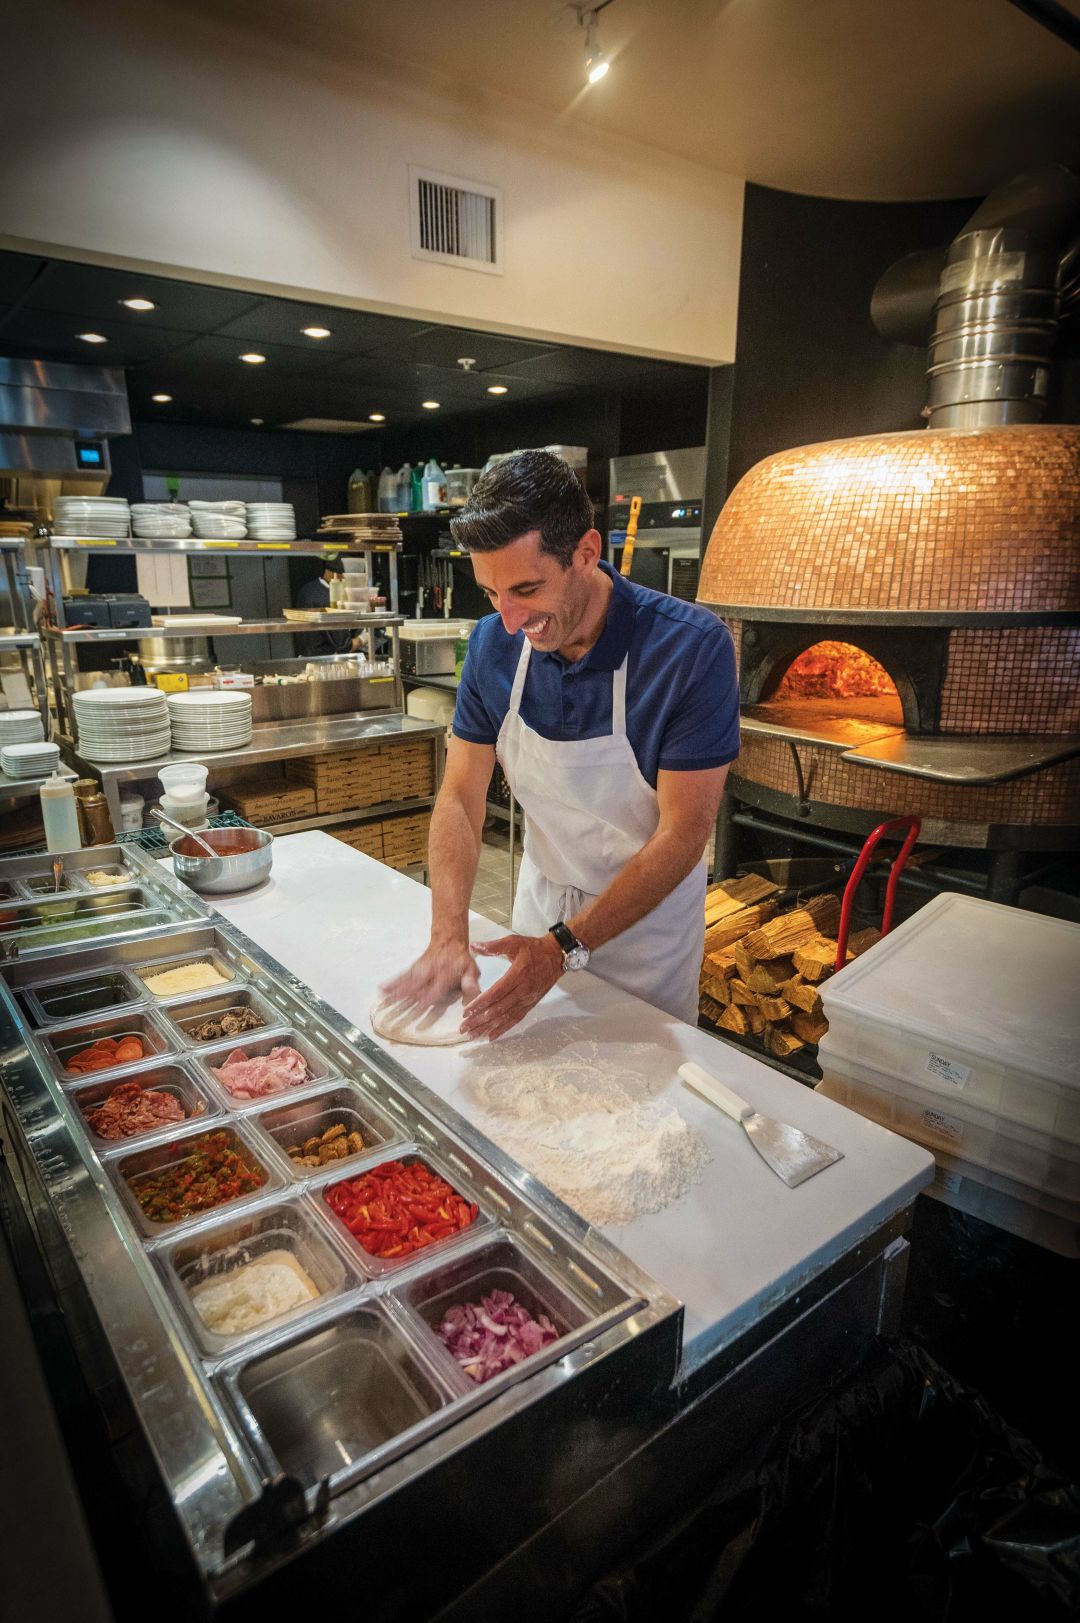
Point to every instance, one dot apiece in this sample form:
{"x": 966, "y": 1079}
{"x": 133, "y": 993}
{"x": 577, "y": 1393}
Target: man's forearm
{"x": 661, "y": 864}
{"x": 453, "y": 858}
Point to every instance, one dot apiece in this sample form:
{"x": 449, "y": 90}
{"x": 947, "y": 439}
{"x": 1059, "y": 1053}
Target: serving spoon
{"x": 162, "y": 817}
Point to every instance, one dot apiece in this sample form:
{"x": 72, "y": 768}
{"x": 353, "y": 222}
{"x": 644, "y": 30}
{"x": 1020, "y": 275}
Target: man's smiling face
{"x": 532, "y": 592}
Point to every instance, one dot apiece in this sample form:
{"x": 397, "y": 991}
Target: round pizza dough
{"x": 435, "y": 1025}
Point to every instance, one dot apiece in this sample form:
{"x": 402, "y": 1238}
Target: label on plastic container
{"x": 949, "y": 1181}
{"x": 947, "y": 1070}
{"x": 943, "y": 1126}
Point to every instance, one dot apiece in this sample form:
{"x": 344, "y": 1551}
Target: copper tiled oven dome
{"x": 907, "y": 612}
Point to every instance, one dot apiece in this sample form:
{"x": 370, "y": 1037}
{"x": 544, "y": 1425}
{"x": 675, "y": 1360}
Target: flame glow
{"x": 835, "y": 670}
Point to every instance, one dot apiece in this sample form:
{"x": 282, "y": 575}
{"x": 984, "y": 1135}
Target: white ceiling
{"x": 883, "y": 100}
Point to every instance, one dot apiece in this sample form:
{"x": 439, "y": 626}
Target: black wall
{"x": 809, "y": 364}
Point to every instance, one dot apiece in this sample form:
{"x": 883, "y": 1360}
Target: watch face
{"x": 577, "y": 957}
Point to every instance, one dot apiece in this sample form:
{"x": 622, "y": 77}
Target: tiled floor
{"x": 491, "y": 892}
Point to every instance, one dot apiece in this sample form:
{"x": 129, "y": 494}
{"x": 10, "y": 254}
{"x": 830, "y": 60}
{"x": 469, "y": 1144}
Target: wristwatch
{"x": 575, "y": 954}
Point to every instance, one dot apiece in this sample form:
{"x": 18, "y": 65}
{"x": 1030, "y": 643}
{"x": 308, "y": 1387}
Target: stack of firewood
{"x": 762, "y": 968}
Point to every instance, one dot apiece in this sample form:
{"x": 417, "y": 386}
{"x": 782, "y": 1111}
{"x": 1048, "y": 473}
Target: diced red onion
{"x": 493, "y": 1334}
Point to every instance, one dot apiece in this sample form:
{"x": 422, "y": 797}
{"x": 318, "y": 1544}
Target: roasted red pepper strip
{"x": 396, "y": 1209}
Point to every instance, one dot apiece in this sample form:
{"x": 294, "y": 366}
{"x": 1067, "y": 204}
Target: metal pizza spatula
{"x": 792, "y": 1154}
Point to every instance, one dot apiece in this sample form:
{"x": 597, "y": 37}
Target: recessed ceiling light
{"x": 376, "y": 417}
{"x": 138, "y": 304}
{"x": 258, "y": 421}
{"x": 316, "y": 332}
{"x": 92, "y": 337}
{"x": 430, "y": 405}
{"x": 253, "y": 358}
{"x": 497, "y": 388}
{"x": 161, "y": 399}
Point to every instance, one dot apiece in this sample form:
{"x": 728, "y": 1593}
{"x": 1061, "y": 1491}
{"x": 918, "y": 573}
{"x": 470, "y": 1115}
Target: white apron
{"x": 588, "y": 810}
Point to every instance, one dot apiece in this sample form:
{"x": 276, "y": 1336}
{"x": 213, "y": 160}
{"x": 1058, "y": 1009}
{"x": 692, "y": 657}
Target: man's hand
{"x": 535, "y": 966}
{"x": 446, "y": 968}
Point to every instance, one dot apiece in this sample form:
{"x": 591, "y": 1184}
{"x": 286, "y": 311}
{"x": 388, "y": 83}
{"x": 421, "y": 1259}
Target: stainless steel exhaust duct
{"x": 56, "y": 421}
{"x": 995, "y": 324}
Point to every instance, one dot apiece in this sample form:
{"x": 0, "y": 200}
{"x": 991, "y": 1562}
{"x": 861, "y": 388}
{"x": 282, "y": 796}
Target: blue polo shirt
{"x": 682, "y": 692}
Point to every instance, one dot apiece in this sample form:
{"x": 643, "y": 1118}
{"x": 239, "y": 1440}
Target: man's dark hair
{"x": 531, "y": 490}
{"x": 333, "y": 566}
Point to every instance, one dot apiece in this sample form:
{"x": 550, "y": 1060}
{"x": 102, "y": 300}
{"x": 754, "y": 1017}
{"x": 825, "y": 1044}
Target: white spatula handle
{"x": 716, "y": 1093}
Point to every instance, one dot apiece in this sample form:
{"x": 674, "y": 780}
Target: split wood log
{"x": 811, "y": 1028}
{"x": 780, "y": 1043}
{"x": 730, "y": 895}
{"x": 769, "y": 975}
{"x": 773, "y": 1008}
{"x": 734, "y": 1019}
{"x": 719, "y": 991}
{"x": 862, "y": 941}
{"x": 721, "y": 965}
{"x": 815, "y": 958}
{"x": 778, "y": 937}
{"x": 741, "y": 994}
{"x": 744, "y": 964}
{"x": 726, "y": 931}
{"x": 802, "y": 995}
{"x": 757, "y": 1021}
{"x": 710, "y": 1009}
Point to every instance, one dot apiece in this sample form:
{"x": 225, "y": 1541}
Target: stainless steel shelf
{"x": 247, "y": 628}
{"x": 135, "y": 543}
{"x": 27, "y": 788}
{"x": 270, "y": 741}
{"x": 365, "y": 814}
{"x": 449, "y": 684}
{"x": 16, "y": 639}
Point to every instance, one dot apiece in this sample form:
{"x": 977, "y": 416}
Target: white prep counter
{"x": 736, "y": 1243}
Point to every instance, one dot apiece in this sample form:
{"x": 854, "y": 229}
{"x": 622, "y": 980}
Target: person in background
{"x": 614, "y": 713}
{"x": 316, "y": 595}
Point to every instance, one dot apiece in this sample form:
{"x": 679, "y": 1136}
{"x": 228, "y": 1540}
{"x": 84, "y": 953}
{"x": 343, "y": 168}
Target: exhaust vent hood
{"x": 56, "y": 421}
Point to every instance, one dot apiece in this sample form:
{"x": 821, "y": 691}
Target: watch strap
{"x": 566, "y": 938}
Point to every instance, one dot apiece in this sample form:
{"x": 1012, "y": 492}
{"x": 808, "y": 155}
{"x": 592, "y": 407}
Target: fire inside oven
{"x": 831, "y": 673}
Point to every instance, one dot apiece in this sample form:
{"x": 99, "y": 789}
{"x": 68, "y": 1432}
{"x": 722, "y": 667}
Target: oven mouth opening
{"x": 831, "y": 678}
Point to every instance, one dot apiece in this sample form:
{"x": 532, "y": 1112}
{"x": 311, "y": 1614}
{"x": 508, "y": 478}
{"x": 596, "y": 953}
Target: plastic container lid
{"x": 996, "y": 981}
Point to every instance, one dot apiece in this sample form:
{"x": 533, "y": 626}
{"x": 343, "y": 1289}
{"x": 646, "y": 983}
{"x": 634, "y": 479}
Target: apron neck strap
{"x": 618, "y": 700}
{"x": 519, "y": 677}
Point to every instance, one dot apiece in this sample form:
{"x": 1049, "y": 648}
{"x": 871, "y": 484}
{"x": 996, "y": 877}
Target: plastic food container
{"x": 171, "y": 1079}
{"x": 339, "y": 1400}
{"x": 139, "y": 1174}
{"x": 459, "y": 485}
{"x": 62, "y": 1043}
{"x": 1053, "y": 1224}
{"x": 319, "y": 1067}
{"x": 376, "y": 1267}
{"x": 191, "y": 1013}
{"x": 217, "y": 1250}
{"x": 955, "y": 1128}
{"x": 297, "y": 1122}
{"x": 51, "y": 1002}
{"x": 972, "y": 1001}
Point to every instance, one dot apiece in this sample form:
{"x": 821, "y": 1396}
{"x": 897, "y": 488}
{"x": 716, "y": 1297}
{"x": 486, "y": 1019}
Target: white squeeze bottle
{"x": 388, "y": 491}
{"x": 59, "y": 814}
{"x": 433, "y": 487}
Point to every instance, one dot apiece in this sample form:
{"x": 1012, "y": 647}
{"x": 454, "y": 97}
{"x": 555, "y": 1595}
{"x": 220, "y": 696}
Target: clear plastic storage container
{"x": 972, "y": 1001}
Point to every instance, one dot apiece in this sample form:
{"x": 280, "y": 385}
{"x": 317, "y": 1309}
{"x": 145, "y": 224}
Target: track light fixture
{"x": 596, "y": 63}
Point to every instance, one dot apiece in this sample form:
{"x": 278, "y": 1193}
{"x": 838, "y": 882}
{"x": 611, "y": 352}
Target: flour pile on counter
{"x": 589, "y": 1126}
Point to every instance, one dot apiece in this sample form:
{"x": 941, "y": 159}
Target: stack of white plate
{"x": 207, "y": 719}
{"x": 122, "y": 724}
{"x": 161, "y": 521}
{"x": 29, "y": 760}
{"x": 271, "y": 521}
{"x": 91, "y": 515}
{"x": 219, "y": 521}
{"x": 20, "y": 727}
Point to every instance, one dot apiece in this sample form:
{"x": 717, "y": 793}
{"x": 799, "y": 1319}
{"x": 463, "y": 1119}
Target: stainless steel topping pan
{"x": 79, "y": 997}
{"x": 300, "y": 1120}
{"x": 257, "y": 1045}
{"x": 222, "y": 1248}
{"x": 132, "y": 1172}
{"x": 186, "y": 1015}
{"x": 171, "y": 1078}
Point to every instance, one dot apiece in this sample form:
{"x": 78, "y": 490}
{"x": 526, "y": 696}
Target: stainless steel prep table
{"x": 531, "y": 1493}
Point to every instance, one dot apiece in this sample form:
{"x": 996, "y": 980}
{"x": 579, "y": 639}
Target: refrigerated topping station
{"x": 285, "y": 1364}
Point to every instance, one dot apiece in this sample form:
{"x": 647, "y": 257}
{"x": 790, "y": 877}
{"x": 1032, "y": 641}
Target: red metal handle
{"x": 913, "y": 826}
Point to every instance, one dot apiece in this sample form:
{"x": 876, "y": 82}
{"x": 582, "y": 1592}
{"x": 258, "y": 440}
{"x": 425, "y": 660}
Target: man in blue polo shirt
{"x": 614, "y": 713}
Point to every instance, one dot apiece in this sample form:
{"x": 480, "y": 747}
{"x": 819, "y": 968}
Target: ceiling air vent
{"x": 455, "y": 221}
